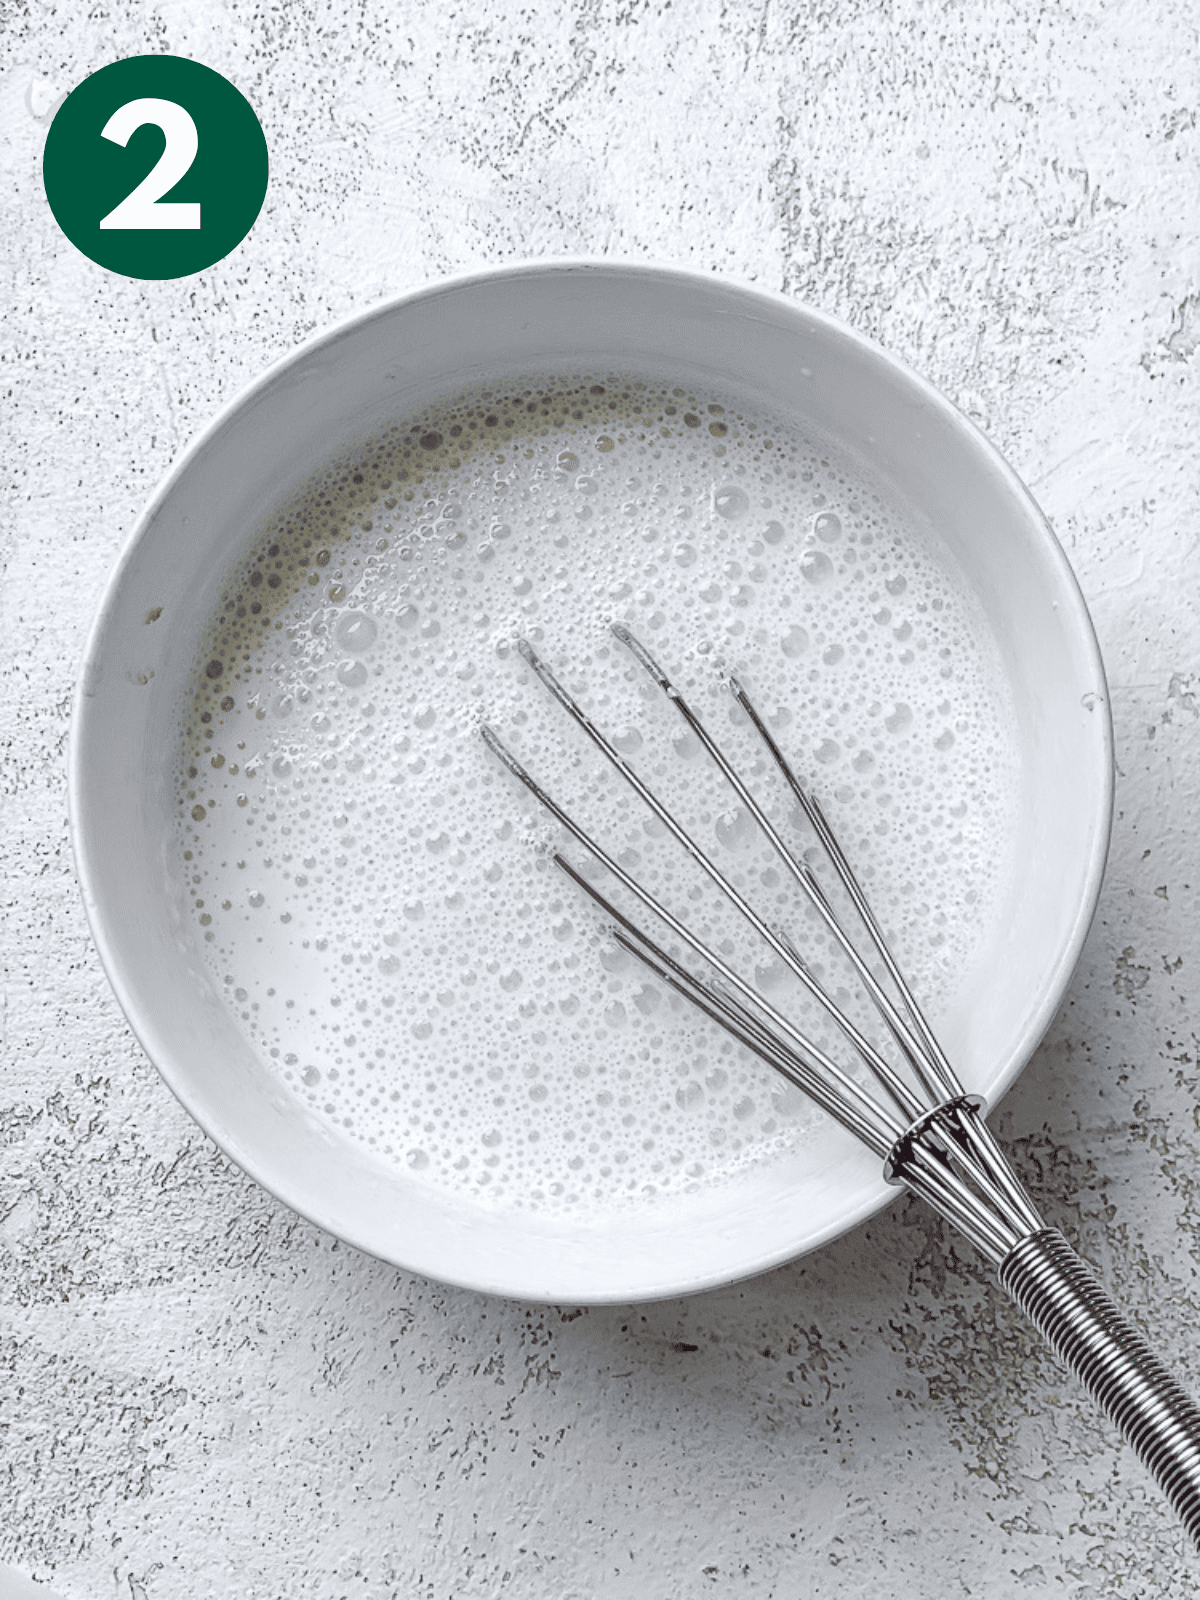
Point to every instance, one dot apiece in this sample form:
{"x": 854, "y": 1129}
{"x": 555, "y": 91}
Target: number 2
{"x": 142, "y": 208}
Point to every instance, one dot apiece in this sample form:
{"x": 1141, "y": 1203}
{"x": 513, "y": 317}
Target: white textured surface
{"x": 202, "y": 1396}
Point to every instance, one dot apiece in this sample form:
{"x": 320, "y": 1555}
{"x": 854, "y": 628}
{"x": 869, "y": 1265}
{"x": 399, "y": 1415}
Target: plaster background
{"x": 201, "y": 1395}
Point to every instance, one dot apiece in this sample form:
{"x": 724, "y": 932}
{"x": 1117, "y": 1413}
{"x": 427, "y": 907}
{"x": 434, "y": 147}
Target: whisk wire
{"x": 950, "y": 1158}
{"x": 899, "y": 1091}
{"x": 860, "y": 1114}
{"x": 932, "y": 1058}
{"x": 737, "y": 1021}
{"x": 800, "y": 871}
{"x": 937, "y": 1182}
{"x": 868, "y": 1107}
{"x": 993, "y": 1171}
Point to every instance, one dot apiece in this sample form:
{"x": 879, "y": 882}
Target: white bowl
{"x": 338, "y": 388}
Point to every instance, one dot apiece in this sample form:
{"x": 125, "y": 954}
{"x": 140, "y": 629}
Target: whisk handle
{"x": 1064, "y": 1300}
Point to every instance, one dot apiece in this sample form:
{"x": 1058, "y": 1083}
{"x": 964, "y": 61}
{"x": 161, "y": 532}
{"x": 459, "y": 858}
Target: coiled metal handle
{"x": 1061, "y": 1296}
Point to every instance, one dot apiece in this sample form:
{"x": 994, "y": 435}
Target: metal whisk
{"x": 928, "y": 1131}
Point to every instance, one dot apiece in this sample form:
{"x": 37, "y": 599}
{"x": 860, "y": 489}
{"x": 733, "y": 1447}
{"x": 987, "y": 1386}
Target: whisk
{"x": 919, "y": 1120}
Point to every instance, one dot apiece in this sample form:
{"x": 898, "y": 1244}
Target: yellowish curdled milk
{"x": 375, "y": 891}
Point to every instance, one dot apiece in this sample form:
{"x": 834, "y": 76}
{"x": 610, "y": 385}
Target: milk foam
{"x": 375, "y": 890}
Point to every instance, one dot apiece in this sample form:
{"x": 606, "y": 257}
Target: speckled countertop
{"x": 202, "y": 1396}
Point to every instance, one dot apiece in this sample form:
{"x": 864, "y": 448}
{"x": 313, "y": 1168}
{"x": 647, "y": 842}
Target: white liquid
{"x": 375, "y": 890}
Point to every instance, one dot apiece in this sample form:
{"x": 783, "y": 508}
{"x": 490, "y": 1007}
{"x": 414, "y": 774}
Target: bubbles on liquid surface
{"x": 355, "y": 631}
{"x": 731, "y": 502}
{"x": 816, "y": 567}
{"x": 376, "y": 897}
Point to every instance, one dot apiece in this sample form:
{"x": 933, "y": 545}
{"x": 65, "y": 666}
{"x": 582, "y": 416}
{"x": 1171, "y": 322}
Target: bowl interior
{"x": 340, "y": 388}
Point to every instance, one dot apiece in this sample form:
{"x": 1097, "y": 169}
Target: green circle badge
{"x": 155, "y": 167}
